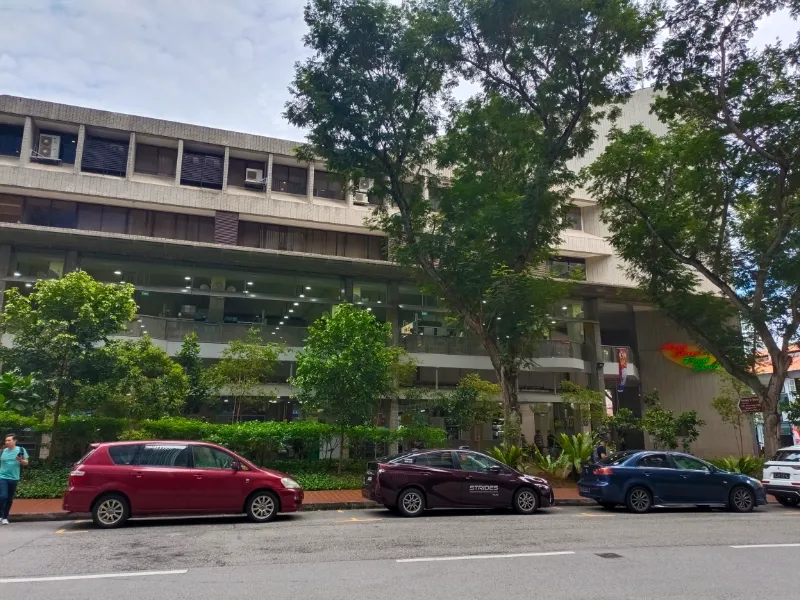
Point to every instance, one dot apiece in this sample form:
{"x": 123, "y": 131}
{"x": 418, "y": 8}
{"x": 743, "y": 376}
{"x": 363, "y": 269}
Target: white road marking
{"x": 481, "y": 557}
{"x": 98, "y": 576}
{"x": 768, "y": 546}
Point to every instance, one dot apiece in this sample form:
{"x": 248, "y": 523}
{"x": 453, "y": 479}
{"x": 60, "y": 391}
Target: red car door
{"x": 486, "y": 483}
{"x": 441, "y": 482}
{"x": 215, "y": 486}
{"x": 160, "y": 479}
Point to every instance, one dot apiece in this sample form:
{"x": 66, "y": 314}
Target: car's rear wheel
{"x": 741, "y": 500}
{"x": 790, "y": 502}
{"x": 111, "y": 510}
{"x": 411, "y": 503}
{"x": 526, "y": 501}
{"x": 639, "y": 500}
{"x": 262, "y": 507}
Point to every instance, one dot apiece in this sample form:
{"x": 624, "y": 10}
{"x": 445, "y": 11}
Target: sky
{"x": 219, "y": 63}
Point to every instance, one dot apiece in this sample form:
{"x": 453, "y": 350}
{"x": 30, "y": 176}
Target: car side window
{"x": 440, "y": 460}
{"x": 654, "y": 461}
{"x": 206, "y": 457}
{"x": 163, "y": 455}
{"x": 687, "y": 463}
{"x": 475, "y": 463}
{"x": 124, "y": 455}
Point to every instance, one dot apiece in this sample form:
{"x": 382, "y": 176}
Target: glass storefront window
{"x": 36, "y": 264}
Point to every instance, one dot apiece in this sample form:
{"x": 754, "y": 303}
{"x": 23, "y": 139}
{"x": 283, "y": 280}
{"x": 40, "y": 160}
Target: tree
{"x": 715, "y": 201}
{"x": 203, "y": 389}
{"x": 727, "y": 406}
{"x": 244, "y": 366}
{"x": 347, "y": 367}
{"x": 134, "y": 380}
{"x": 57, "y": 331}
{"x": 472, "y": 403}
{"x": 665, "y": 429}
{"x": 18, "y": 394}
{"x": 371, "y": 97}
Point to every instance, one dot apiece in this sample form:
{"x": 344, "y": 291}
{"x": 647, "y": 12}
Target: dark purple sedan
{"x": 426, "y": 479}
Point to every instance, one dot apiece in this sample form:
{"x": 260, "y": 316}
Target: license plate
{"x": 780, "y": 476}
{"x": 585, "y": 490}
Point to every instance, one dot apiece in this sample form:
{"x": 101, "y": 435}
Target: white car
{"x": 782, "y": 476}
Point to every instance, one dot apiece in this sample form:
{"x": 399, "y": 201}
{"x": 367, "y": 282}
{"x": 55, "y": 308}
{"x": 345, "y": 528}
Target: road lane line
{"x": 98, "y": 576}
{"x": 481, "y": 557}
{"x": 768, "y": 546}
{"x": 594, "y": 515}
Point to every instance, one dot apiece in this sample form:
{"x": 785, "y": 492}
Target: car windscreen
{"x": 615, "y": 459}
{"x": 792, "y": 456}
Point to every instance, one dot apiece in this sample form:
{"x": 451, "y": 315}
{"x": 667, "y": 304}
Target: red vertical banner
{"x": 622, "y": 361}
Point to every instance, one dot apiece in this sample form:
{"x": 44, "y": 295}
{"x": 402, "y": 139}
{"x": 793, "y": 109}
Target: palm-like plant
{"x": 576, "y": 451}
{"x": 548, "y": 464}
{"x": 748, "y": 465}
{"x": 508, "y": 455}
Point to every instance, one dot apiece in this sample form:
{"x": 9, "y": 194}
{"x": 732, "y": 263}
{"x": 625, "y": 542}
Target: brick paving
{"x": 53, "y": 506}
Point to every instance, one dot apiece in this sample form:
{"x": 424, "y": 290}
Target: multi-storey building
{"x": 220, "y": 231}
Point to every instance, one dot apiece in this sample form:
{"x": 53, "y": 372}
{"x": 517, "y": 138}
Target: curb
{"x": 62, "y": 516}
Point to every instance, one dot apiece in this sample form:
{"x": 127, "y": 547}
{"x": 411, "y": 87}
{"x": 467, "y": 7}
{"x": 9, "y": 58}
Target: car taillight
{"x": 603, "y": 471}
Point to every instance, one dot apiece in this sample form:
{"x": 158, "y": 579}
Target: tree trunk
{"x": 772, "y": 421}
{"x": 512, "y": 429}
{"x": 54, "y": 431}
{"x": 341, "y": 449}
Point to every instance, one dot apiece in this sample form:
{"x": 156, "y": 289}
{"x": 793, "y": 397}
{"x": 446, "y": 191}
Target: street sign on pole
{"x": 751, "y": 404}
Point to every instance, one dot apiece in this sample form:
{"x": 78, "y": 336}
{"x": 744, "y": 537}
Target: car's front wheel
{"x": 742, "y": 500}
{"x": 262, "y": 507}
{"x": 790, "y": 502}
{"x": 639, "y": 500}
{"x": 526, "y": 501}
{"x": 411, "y": 503}
{"x": 111, "y": 510}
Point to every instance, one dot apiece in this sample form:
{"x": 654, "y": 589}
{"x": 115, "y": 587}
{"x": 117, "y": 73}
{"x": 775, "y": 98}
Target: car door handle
{"x": 426, "y": 474}
{"x": 469, "y": 476}
{"x": 198, "y": 476}
{"x": 647, "y": 473}
{"x": 137, "y": 475}
{"x": 685, "y": 476}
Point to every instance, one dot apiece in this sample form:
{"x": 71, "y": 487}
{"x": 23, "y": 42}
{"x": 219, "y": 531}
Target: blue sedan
{"x": 643, "y": 479}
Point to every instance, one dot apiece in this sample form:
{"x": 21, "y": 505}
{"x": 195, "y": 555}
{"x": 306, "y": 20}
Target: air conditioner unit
{"x": 49, "y": 149}
{"x": 364, "y": 185}
{"x": 253, "y": 176}
{"x": 360, "y": 199}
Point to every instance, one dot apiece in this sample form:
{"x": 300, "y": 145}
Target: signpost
{"x": 751, "y": 404}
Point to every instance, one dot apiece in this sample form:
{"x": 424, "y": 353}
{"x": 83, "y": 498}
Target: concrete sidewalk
{"x": 50, "y": 510}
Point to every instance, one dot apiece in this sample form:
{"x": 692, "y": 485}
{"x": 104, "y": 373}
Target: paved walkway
{"x": 312, "y": 500}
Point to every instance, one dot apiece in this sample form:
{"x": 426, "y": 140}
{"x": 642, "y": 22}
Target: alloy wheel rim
{"x": 262, "y": 507}
{"x": 640, "y": 500}
{"x": 526, "y": 501}
{"x": 742, "y": 499}
{"x": 110, "y": 511}
{"x": 412, "y": 502}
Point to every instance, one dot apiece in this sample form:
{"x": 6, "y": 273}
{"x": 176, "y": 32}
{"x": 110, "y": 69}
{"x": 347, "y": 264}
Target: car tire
{"x": 608, "y": 505}
{"x": 411, "y": 502}
{"x": 639, "y": 500}
{"x": 262, "y": 506}
{"x": 741, "y": 500}
{"x": 526, "y": 501}
{"x": 788, "y": 502}
{"x": 111, "y": 510}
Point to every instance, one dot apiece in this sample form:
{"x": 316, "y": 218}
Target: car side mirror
{"x": 236, "y": 465}
{"x": 495, "y": 469}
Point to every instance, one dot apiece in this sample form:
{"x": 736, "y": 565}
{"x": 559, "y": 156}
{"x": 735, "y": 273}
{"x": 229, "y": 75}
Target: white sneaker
{"x": 4, "y": 522}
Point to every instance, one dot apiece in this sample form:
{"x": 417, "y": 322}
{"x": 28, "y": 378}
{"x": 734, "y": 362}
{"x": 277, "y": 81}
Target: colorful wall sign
{"x": 622, "y": 361}
{"x": 693, "y": 357}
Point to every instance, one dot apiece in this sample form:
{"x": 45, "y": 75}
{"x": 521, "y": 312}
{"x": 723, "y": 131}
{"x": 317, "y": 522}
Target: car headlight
{"x": 289, "y": 483}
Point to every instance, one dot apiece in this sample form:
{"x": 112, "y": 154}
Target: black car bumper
{"x": 781, "y": 491}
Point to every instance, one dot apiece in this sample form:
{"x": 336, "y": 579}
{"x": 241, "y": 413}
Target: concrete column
{"x": 131, "y": 156}
{"x": 268, "y": 180}
{"x": 179, "y": 163}
{"x": 27, "y": 143}
{"x": 79, "y": 148}
{"x": 310, "y": 183}
{"x": 347, "y": 286}
{"x": 594, "y": 349}
{"x": 348, "y": 194}
{"x": 72, "y": 261}
{"x": 5, "y": 263}
{"x": 225, "y": 163}
{"x": 425, "y": 192}
{"x": 216, "y": 304}
{"x": 392, "y": 310}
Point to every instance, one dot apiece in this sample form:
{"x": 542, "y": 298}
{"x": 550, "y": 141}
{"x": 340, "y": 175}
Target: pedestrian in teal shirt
{"x": 11, "y": 459}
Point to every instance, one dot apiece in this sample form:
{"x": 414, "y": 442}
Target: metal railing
{"x": 465, "y": 346}
{"x": 289, "y": 187}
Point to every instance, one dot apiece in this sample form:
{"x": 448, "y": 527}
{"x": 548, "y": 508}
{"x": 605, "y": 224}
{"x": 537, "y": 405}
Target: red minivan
{"x": 120, "y": 480}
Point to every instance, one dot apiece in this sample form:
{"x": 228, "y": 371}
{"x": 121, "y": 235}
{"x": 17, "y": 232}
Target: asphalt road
{"x": 577, "y": 552}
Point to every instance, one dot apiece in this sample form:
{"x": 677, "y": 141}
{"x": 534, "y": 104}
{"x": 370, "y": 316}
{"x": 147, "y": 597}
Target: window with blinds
{"x": 108, "y": 157}
{"x": 10, "y": 139}
{"x": 10, "y": 208}
{"x": 155, "y": 160}
{"x": 329, "y": 185}
{"x": 202, "y": 170}
{"x": 290, "y": 180}
{"x": 311, "y": 241}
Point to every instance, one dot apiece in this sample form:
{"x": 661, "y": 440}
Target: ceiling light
{"x": 249, "y": 283}
{"x": 145, "y": 332}
{"x": 286, "y": 318}
{"x": 484, "y": 301}
{"x": 28, "y": 285}
{"x": 498, "y": 318}
{"x": 563, "y": 308}
{"x": 553, "y": 322}
{"x": 273, "y": 333}
{"x": 308, "y": 287}
{"x": 343, "y": 291}
{"x": 187, "y": 288}
{"x": 252, "y": 295}
{"x": 313, "y": 299}
{"x": 17, "y": 274}
{"x": 379, "y": 301}
{"x": 142, "y": 326}
{"x": 117, "y": 272}
{"x": 187, "y": 278}
{"x": 302, "y": 295}
{"x": 281, "y": 323}
{"x": 121, "y": 282}
{"x": 291, "y": 310}
{"x": 297, "y": 304}
{"x": 369, "y": 309}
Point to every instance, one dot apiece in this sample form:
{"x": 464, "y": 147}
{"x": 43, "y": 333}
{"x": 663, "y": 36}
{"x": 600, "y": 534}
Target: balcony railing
{"x": 610, "y": 353}
{"x": 330, "y": 194}
{"x": 289, "y": 187}
{"x": 175, "y": 330}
